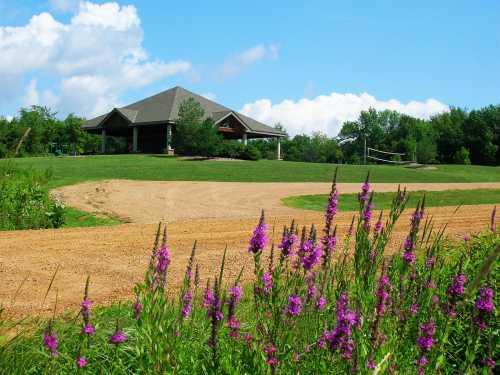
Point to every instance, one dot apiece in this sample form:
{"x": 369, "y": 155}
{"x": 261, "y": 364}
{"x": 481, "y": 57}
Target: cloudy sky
{"x": 308, "y": 65}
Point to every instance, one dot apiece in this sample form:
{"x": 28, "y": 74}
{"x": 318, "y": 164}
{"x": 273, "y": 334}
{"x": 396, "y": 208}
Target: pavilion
{"x": 148, "y": 124}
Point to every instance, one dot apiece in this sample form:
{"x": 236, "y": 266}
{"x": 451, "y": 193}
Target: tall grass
{"x": 318, "y": 304}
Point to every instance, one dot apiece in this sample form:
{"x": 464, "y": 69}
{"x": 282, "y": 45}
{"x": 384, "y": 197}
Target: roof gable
{"x": 164, "y": 108}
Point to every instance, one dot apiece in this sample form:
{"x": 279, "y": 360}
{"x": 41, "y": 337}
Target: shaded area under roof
{"x": 164, "y": 108}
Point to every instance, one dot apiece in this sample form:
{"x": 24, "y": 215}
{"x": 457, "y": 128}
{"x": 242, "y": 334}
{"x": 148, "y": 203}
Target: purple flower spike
{"x": 137, "y": 310}
{"x": 457, "y": 287}
{"x": 88, "y": 329}
{"x": 187, "y": 304}
{"x": 259, "y": 237}
{"x": 493, "y": 223}
{"x": 294, "y": 305}
{"x": 118, "y": 337}
{"x": 287, "y": 243}
{"x": 163, "y": 260}
{"x": 235, "y": 293}
{"x": 267, "y": 280}
{"x": 50, "y": 342}
{"x": 86, "y": 305}
{"x": 321, "y": 303}
{"x": 81, "y": 362}
{"x": 311, "y": 254}
{"x": 208, "y": 298}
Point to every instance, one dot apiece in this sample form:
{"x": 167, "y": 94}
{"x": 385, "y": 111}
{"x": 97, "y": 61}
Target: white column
{"x": 135, "y": 137}
{"x": 103, "y": 141}
{"x": 279, "y": 148}
{"x": 169, "y": 137}
{"x": 244, "y": 139}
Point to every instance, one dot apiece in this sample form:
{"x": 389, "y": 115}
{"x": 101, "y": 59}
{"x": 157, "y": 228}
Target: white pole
{"x": 245, "y": 140}
{"x": 365, "y": 151}
{"x": 279, "y": 148}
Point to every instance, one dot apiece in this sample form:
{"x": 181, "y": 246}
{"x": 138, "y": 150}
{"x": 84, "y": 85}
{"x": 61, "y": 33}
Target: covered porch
{"x": 156, "y": 138}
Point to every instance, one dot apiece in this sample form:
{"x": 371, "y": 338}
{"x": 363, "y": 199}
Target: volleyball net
{"x": 386, "y": 156}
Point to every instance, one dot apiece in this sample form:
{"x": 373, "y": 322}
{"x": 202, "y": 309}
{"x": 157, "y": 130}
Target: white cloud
{"x": 93, "y": 59}
{"x": 31, "y": 96}
{"x": 237, "y": 63}
{"x": 209, "y": 96}
{"x": 327, "y": 113}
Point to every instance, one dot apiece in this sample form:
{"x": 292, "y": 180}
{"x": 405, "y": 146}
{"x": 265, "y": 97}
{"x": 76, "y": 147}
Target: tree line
{"x": 455, "y": 137}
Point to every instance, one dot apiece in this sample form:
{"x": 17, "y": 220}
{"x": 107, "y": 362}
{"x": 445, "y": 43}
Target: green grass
{"x": 70, "y": 170}
{"x": 349, "y": 202}
{"x": 74, "y": 218}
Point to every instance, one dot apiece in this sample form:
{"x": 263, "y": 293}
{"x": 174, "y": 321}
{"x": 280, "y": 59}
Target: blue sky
{"x": 310, "y": 65}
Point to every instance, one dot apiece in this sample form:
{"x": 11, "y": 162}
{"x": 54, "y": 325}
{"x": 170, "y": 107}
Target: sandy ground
{"x": 215, "y": 214}
{"x": 151, "y": 201}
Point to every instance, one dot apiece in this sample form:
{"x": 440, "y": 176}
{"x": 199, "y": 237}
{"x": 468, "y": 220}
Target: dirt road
{"x": 116, "y": 257}
{"x": 151, "y": 201}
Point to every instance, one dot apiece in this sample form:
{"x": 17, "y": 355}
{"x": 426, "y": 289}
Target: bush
{"x": 25, "y": 202}
{"x": 462, "y": 156}
{"x": 250, "y": 152}
{"x": 315, "y": 305}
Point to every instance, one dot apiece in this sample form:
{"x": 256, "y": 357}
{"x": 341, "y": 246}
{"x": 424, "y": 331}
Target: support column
{"x": 279, "y": 148}
{"x": 169, "y": 149}
{"x": 135, "y": 136}
{"x": 244, "y": 139}
{"x": 103, "y": 141}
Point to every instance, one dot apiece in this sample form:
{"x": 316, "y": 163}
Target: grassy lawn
{"x": 349, "y": 202}
{"x": 74, "y": 218}
{"x": 70, "y": 170}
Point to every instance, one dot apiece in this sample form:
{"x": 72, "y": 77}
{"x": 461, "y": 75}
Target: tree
{"x": 194, "y": 134}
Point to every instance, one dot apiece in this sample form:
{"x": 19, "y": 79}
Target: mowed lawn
{"x": 70, "y": 170}
{"x": 349, "y": 202}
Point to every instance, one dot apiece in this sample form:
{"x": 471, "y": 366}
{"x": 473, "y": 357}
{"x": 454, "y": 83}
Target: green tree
{"x": 194, "y": 134}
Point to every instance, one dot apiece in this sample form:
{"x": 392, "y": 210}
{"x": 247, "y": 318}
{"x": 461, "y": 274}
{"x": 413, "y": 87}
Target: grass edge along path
{"x": 71, "y": 170}
{"x": 74, "y": 218}
{"x": 349, "y": 202}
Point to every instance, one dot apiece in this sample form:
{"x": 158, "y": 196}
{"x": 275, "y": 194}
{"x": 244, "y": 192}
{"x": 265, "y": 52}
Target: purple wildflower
{"x": 163, "y": 260}
{"x": 311, "y": 254}
{"x": 340, "y": 337}
{"x": 267, "y": 280}
{"x": 235, "y": 293}
{"x": 88, "y": 329}
{"x": 294, "y": 305}
{"x": 457, "y": 287}
{"x": 137, "y": 309}
{"x": 234, "y": 325}
{"x": 50, "y": 342}
{"x": 208, "y": 297}
{"x": 363, "y": 196}
{"x": 81, "y": 362}
{"x": 86, "y": 305}
{"x": 287, "y": 243}
{"x": 271, "y": 359}
{"x": 382, "y": 294}
{"x": 370, "y": 364}
{"x": 187, "y": 304}
{"x": 367, "y": 215}
{"x": 409, "y": 256}
{"x": 414, "y": 308}
{"x": 118, "y": 337}
{"x": 378, "y": 224}
{"x": 466, "y": 237}
{"x": 259, "y": 237}
{"x": 484, "y": 306}
{"x": 321, "y": 303}
{"x": 425, "y": 341}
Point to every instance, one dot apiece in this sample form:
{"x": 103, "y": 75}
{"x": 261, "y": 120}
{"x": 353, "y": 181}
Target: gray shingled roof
{"x": 164, "y": 108}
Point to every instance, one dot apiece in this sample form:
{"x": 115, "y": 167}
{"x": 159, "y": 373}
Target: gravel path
{"x": 116, "y": 257}
{"x": 151, "y": 201}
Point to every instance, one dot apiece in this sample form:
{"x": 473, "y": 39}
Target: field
{"x": 432, "y": 199}
{"x": 69, "y": 170}
{"x": 218, "y": 207}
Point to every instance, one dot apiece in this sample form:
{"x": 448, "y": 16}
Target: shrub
{"x": 250, "y": 152}
{"x": 317, "y": 304}
{"x": 25, "y": 202}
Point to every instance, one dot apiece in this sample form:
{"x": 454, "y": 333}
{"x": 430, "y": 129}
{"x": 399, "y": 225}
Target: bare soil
{"x": 151, "y": 201}
{"x": 215, "y": 214}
